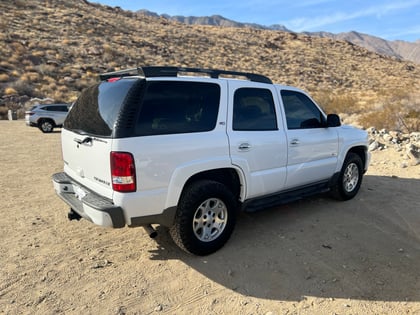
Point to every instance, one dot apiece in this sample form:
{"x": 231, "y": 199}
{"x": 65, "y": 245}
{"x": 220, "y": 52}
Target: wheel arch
{"x": 41, "y": 119}
{"x": 362, "y": 152}
{"x": 228, "y": 176}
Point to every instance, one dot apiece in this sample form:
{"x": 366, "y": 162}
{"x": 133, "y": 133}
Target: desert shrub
{"x": 20, "y": 87}
{"x": 385, "y": 117}
{"x": 398, "y": 112}
{"x": 412, "y": 120}
{"x": 9, "y": 91}
{"x": 3, "y": 26}
{"x": 21, "y": 4}
{"x": 3, "y": 112}
{"x": 30, "y": 76}
{"x": 340, "y": 104}
{"x": 46, "y": 69}
{"x": 4, "y": 77}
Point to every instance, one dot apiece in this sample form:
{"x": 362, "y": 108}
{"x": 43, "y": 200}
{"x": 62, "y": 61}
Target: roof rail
{"x": 174, "y": 71}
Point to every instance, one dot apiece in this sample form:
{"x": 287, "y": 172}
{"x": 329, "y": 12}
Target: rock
{"x": 69, "y": 79}
{"x": 415, "y": 136}
{"x": 413, "y": 152}
{"x": 372, "y": 131}
{"x": 374, "y": 146}
{"x": 158, "y": 308}
{"x": 395, "y": 134}
{"x": 387, "y": 137}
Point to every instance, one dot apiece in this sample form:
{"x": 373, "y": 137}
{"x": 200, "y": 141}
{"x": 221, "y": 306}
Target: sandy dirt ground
{"x": 315, "y": 256}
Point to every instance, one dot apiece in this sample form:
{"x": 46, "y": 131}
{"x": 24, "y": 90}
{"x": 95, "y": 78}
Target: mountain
{"x": 398, "y": 49}
{"x": 214, "y": 20}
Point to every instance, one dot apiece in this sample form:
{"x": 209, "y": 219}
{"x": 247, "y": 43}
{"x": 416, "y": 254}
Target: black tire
{"x": 350, "y": 178}
{"x": 46, "y": 125}
{"x": 205, "y": 217}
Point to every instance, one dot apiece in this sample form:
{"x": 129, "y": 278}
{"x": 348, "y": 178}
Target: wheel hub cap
{"x": 351, "y": 177}
{"x": 210, "y": 220}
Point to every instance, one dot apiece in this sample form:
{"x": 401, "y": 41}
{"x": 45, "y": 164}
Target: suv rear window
{"x": 96, "y": 110}
{"x": 171, "y": 107}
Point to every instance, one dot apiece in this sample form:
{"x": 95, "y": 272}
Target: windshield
{"x": 96, "y": 110}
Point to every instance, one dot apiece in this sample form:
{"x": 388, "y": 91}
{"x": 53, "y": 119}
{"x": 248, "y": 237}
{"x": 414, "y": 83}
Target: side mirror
{"x": 333, "y": 120}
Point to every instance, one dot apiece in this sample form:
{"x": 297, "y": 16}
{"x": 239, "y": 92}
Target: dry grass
{"x": 340, "y": 104}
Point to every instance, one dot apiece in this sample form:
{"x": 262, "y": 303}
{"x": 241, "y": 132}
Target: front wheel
{"x": 350, "y": 178}
{"x": 205, "y": 217}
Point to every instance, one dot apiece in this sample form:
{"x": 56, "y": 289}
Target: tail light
{"x": 29, "y": 113}
{"x": 123, "y": 172}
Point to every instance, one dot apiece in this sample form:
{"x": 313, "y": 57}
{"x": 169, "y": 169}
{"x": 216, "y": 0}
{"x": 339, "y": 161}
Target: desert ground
{"x": 315, "y": 256}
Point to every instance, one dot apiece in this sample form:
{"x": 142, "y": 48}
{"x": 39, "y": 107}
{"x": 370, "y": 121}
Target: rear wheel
{"x": 205, "y": 217}
{"x": 350, "y": 178}
{"x": 46, "y": 125}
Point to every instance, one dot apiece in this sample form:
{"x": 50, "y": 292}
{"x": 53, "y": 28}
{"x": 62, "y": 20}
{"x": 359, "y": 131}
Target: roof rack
{"x": 174, "y": 71}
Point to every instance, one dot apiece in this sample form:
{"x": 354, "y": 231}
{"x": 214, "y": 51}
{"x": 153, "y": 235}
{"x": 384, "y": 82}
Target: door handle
{"x": 294, "y": 142}
{"x": 244, "y": 146}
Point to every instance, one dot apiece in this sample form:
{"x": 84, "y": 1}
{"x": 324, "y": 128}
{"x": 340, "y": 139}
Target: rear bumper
{"x": 88, "y": 204}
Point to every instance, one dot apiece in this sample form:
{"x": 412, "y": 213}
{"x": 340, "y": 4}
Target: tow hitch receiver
{"x": 72, "y": 215}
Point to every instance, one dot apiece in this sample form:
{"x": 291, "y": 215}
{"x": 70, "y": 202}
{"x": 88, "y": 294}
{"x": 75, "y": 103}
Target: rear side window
{"x": 96, "y": 110}
{"x": 172, "y": 107}
{"x": 253, "y": 110}
{"x": 62, "y": 108}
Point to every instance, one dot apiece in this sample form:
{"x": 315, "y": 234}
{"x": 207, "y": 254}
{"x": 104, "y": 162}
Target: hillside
{"x": 400, "y": 49}
{"x": 56, "y": 48}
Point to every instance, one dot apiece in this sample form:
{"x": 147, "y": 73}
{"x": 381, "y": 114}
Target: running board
{"x": 284, "y": 197}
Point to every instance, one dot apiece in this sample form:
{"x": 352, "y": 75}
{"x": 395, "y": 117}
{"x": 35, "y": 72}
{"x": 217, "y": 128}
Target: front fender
{"x": 352, "y": 140}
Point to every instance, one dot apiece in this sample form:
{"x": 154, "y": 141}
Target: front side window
{"x": 173, "y": 107}
{"x": 253, "y": 110}
{"x": 301, "y": 112}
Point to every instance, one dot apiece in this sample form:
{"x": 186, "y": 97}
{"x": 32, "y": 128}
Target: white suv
{"x": 186, "y": 148}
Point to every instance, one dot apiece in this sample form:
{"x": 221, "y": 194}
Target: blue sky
{"x": 391, "y": 20}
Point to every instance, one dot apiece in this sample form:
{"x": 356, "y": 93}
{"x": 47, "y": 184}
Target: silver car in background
{"x": 47, "y": 116}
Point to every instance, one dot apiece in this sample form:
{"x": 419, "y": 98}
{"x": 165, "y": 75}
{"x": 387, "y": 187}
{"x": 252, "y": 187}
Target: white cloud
{"x": 314, "y": 23}
{"x": 414, "y": 30}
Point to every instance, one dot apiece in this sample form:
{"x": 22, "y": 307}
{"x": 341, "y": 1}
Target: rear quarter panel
{"x": 163, "y": 165}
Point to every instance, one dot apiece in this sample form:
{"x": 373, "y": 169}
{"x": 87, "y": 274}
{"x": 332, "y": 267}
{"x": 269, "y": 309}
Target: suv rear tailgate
{"x": 88, "y": 133}
{"x": 87, "y": 161}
